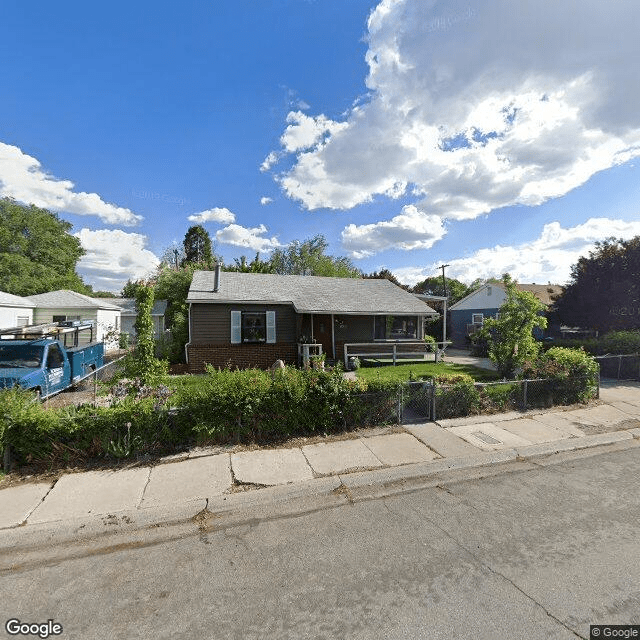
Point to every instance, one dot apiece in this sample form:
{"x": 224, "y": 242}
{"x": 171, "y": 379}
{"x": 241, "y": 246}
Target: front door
{"x": 322, "y": 334}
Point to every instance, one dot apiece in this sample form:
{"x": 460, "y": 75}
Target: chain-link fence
{"x": 620, "y": 367}
{"x": 425, "y": 401}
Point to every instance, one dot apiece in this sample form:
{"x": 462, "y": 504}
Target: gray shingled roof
{"x": 308, "y": 294}
{"x": 9, "y": 300}
{"x": 64, "y": 299}
{"x": 128, "y": 305}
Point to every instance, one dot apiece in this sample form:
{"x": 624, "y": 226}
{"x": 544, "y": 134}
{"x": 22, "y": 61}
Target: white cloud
{"x": 113, "y": 256}
{"x": 23, "y": 178}
{"x": 265, "y": 200}
{"x": 476, "y": 106}
{"x": 217, "y": 214}
{"x": 412, "y": 229}
{"x": 304, "y": 132}
{"x": 251, "y": 238}
{"x": 548, "y": 258}
{"x": 269, "y": 161}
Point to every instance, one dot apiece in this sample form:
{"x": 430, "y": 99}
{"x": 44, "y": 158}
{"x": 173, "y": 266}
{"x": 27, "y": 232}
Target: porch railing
{"x": 394, "y": 349}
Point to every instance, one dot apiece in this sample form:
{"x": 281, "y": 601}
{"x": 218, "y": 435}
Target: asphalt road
{"x": 538, "y": 553}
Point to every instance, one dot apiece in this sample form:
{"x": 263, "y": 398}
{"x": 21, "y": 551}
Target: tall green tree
{"x": 385, "y": 274}
{"x": 37, "y": 251}
{"x": 142, "y": 362}
{"x": 434, "y": 286}
{"x": 197, "y": 247}
{"x": 257, "y": 265}
{"x": 604, "y": 290}
{"x": 173, "y": 286}
{"x": 510, "y": 336}
{"x": 309, "y": 258}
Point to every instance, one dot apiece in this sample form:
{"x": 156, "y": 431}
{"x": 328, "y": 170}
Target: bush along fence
{"x": 254, "y": 406}
{"x": 420, "y": 401}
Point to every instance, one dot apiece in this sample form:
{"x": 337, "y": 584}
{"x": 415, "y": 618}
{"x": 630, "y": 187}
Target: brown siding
{"x": 211, "y": 323}
{"x": 243, "y": 356}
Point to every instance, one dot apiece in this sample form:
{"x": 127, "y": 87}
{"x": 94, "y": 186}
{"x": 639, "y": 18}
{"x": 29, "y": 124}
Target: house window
{"x": 253, "y": 326}
{"x": 64, "y": 318}
{"x": 477, "y": 318}
{"x": 396, "y": 327}
{"x": 22, "y": 321}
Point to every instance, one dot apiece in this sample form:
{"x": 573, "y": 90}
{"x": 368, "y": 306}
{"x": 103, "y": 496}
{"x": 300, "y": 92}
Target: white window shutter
{"x": 271, "y": 327}
{"x": 236, "y": 327}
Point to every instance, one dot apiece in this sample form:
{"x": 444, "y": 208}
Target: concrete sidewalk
{"x": 201, "y": 478}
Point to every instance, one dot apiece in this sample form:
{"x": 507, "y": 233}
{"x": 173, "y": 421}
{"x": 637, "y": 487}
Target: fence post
{"x": 598, "y": 383}
{"x": 433, "y": 401}
{"x": 619, "y": 366}
{"x": 394, "y": 355}
{"x": 399, "y": 407}
{"x": 524, "y": 395}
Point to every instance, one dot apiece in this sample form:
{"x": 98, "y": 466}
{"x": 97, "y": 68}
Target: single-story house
{"x": 468, "y": 315}
{"x": 254, "y": 319}
{"x": 63, "y": 305}
{"x": 128, "y": 314}
{"x": 15, "y": 311}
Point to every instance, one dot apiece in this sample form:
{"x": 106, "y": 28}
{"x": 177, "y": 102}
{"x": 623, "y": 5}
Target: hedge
{"x": 256, "y": 406}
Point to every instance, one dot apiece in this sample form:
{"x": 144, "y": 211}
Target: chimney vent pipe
{"x": 216, "y": 278}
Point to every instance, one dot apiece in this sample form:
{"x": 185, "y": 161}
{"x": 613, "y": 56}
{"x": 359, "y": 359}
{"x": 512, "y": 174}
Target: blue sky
{"x": 409, "y": 132}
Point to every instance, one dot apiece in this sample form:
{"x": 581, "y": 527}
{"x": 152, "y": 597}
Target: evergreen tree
{"x": 197, "y": 247}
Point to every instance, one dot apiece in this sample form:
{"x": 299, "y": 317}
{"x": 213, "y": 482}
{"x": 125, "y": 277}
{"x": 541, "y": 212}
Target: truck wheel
{"x": 38, "y": 393}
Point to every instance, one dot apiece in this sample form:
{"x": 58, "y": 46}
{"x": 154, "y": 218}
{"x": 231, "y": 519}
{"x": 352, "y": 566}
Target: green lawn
{"x": 401, "y": 372}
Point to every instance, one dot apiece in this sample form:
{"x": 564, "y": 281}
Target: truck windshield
{"x": 21, "y": 355}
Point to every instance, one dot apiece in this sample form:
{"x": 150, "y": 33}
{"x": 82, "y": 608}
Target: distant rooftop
{"x": 9, "y": 300}
{"x": 64, "y": 299}
{"x": 128, "y": 305}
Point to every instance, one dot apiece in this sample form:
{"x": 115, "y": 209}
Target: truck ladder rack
{"x": 57, "y": 330}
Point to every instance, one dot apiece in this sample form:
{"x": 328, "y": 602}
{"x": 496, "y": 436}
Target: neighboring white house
{"x": 129, "y": 315}
{"x": 15, "y": 311}
{"x": 56, "y": 306}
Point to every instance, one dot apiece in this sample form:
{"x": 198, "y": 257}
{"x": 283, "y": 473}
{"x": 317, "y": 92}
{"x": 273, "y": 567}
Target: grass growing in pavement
{"x": 401, "y": 373}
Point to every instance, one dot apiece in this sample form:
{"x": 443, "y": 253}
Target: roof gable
{"x": 491, "y": 296}
{"x": 9, "y": 300}
{"x": 64, "y": 299}
{"x": 307, "y": 294}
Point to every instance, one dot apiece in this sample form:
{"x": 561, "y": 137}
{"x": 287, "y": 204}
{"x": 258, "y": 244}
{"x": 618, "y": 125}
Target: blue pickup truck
{"x": 46, "y": 364}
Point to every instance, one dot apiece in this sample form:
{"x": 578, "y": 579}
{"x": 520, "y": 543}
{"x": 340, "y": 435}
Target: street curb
{"x": 154, "y": 524}
{"x": 572, "y": 444}
{"x": 417, "y": 471}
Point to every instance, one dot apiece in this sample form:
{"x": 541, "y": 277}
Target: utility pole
{"x": 444, "y": 280}
{"x": 444, "y": 311}
{"x": 175, "y": 253}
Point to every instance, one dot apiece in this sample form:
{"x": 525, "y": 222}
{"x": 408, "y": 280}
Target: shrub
{"x": 572, "y": 374}
{"x": 124, "y": 340}
{"x": 430, "y": 343}
{"x": 619, "y": 342}
{"x": 500, "y": 397}
{"x": 456, "y": 400}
